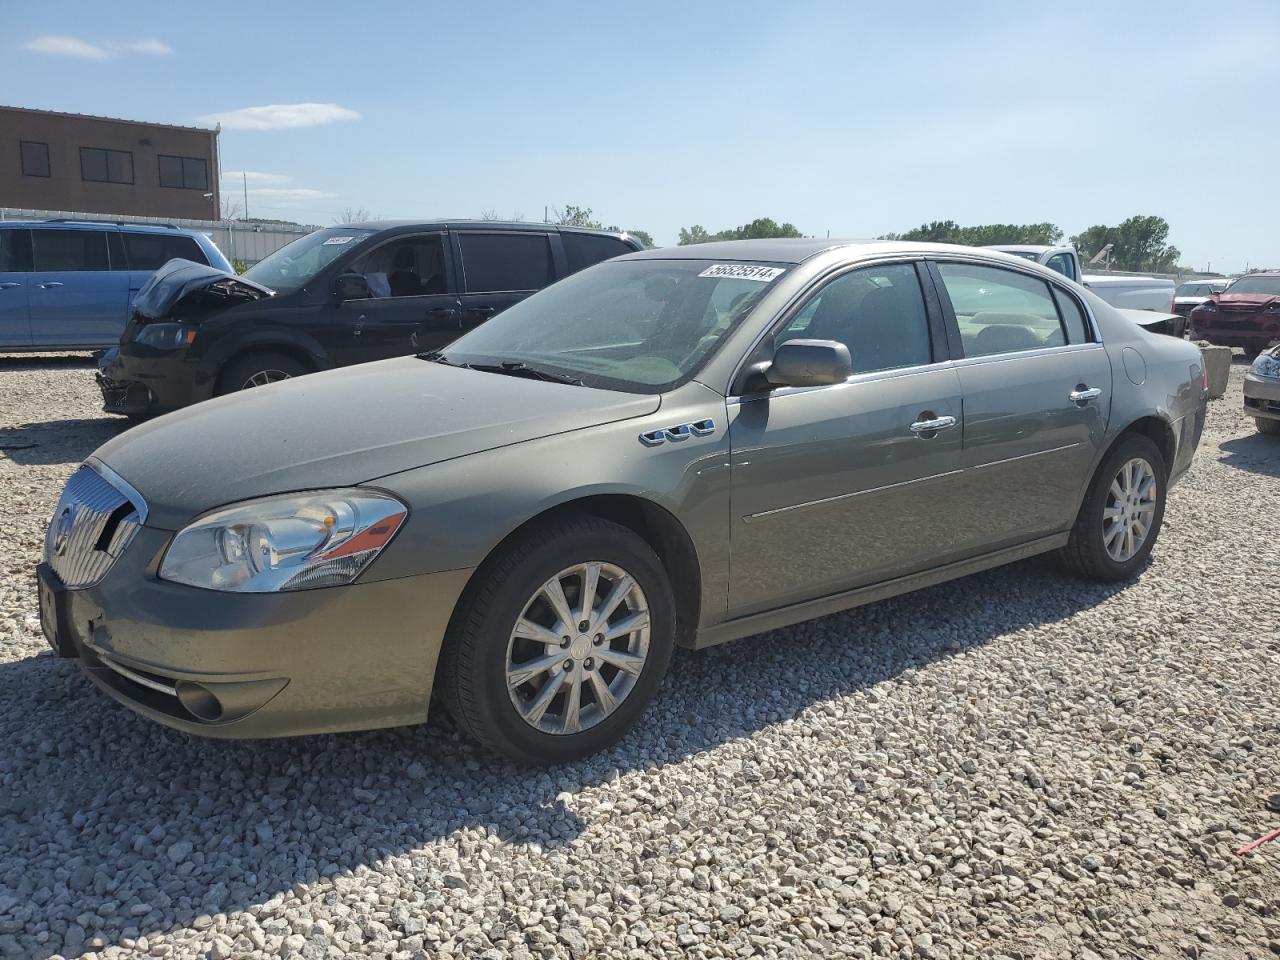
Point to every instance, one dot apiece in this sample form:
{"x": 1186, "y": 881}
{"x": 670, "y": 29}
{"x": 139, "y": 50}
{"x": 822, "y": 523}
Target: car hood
{"x": 179, "y": 280}
{"x": 1245, "y": 299}
{"x": 343, "y": 427}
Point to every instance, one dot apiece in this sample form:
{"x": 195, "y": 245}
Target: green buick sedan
{"x": 678, "y": 446}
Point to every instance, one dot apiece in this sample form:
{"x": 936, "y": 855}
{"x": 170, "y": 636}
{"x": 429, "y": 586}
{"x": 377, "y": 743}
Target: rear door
{"x": 146, "y": 252}
{"x": 1037, "y": 394}
{"x": 15, "y": 284}
{"x": 500, "y": 268}
{"x": 76, "y": 299}
{"x": 840, "y": 486}
{"x": 412, "y": 306}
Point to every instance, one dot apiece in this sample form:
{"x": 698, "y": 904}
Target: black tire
{"x": 472, "y": 677}
{"x": 240, "y": 371}
{"x": 1086, "y": 554}
{"x": 1252, "y": 350}
{"x": 1268, "y": 426}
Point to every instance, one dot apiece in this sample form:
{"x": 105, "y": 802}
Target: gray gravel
{"x": 1015, "y": 765}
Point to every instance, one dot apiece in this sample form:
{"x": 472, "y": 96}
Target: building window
{"x": 186, "y": 173}
{"x": 35, "y": 158}
{"x": 106, "y": 166}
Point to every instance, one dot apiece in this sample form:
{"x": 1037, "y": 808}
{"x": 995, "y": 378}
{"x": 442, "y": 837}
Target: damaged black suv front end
{"x": 160, "y": 362}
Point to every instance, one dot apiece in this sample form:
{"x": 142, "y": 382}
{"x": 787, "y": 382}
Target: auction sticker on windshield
{"x": 333, "y": 240}
{"x": 742, "y": 271}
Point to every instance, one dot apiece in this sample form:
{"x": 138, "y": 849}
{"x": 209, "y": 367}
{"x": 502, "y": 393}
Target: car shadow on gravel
{"x": 1256, "y": 453}
{"x": 40, "y": 361}
{"x": 58, "y": 441}
{"x": 116, "y": 826}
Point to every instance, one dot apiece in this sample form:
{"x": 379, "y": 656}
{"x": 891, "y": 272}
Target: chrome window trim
{"x": 871, "y": 376}
{"x": 1038, "y": 352}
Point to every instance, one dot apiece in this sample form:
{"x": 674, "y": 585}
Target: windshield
{"x": 641, "y": 326}
{"x": 1267, "y": 285}
{"x": 293, "y": 265}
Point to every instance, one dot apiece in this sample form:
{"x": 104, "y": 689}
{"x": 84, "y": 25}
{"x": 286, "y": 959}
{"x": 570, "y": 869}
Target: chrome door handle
{"x": 9, "y": 285}
{"x": 51, "y": 284}
{"x": 1085, "y": 394}
{"x": 933, "y": 426}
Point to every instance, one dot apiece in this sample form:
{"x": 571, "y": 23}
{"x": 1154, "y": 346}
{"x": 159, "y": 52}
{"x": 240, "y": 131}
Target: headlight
{"x": 1208, "y": 306}
{"x": 291, "y": 542}
{"x": 166, "y": 336}
{"x": 1266, "y": 366}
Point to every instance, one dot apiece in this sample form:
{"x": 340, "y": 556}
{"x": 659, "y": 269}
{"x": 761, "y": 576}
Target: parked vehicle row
{"x": 1246, "y": 314}
{"x": 1120, "y": 290}
{"x": 67, "y": 285}
{"x": 686, "y": 445}
{"x": 335, "y": 297}
{"x": 1192, "y": 293}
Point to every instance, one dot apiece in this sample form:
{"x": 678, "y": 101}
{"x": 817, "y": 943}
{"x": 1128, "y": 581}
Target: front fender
{"x": 265, "y": 335}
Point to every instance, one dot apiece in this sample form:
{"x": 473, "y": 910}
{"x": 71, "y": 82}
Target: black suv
{"x": 338, "y": 296}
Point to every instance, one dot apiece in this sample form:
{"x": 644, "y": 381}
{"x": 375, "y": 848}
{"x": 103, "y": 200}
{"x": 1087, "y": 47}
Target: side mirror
{"x": 351, "y": 286}
{"x": 803, "y": 363}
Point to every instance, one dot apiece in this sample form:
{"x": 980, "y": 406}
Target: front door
{"x": 840, "y": 486}
{"x": 1037, "y": 392}
{"x": 76, "y": 299}
{"x": 15, "y": 282}
{"x": 501, "y": 268}
{"x": 411, "y": 307}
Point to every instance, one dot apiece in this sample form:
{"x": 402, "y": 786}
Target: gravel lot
{"x": 1013, "y": 765}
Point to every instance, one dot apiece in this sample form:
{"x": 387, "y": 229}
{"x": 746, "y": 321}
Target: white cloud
{"x": 254, "y": 176}
{"x": 280, "y": 116}
{"x": 285, "y": 195}
{"x": 64, "y": 46}
{"x": 147, "y": 45}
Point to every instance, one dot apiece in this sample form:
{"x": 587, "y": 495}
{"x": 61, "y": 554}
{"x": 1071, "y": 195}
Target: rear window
{"x": 150, "y": 251}
{"x": 587, "y": 249}
{"x": 493, "y": 262}
{"x": 63, "y": 250}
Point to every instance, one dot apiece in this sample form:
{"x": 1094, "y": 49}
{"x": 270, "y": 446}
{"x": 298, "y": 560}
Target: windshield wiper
{"x": 435, "y": 356}
{"x": 518, "y": 368}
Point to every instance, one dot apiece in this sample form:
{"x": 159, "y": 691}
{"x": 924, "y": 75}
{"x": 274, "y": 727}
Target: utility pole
{"x": 246, "y": 193}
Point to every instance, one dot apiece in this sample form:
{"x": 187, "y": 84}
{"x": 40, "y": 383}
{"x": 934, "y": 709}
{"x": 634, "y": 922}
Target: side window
{"x": 1062, "y": 263}
{"x": 15, "y": 251}
{"x": 409, "y": 266}
{"x": 62, "y": 250}
{"x": 494, "y": 262}
{"x": 877, "y": 312}
{"x": 1072, "y": 317}
{"x": 150, "y": 251}
{"x": 1000, "y": 311}
{"x": 583, "y": 250}
{"x": 187, "y": 173}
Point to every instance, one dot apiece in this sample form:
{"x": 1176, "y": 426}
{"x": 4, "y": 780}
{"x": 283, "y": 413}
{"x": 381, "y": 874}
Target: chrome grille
{"x": 93, "y": 523}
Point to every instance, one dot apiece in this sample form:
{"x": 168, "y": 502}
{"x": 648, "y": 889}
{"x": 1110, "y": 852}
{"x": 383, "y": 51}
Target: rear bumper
{"x": 138, "y": 380}
{"x": 1261, "y": 397}
{"x": 262, "y": 665}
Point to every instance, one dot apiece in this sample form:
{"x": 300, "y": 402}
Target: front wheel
{"x": 258, "y": 370}
{"x": 1122, "y": 512}
{"x": 561, "y": 643}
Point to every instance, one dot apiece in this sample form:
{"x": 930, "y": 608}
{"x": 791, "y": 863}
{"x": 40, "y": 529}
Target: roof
{"x": 446, "y": 223}
{"x": 93, "y": 116}
{"x": 60, "y": 223}
{"x": 1026, "y": 247}
{"x": 777, "y": 250}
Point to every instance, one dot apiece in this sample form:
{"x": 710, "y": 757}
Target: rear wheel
{"x": 258, "y": 370}
{"x": 1122, "y": 512}
{"x": 561, "y": 643}
{"x": 1268, "y": 426}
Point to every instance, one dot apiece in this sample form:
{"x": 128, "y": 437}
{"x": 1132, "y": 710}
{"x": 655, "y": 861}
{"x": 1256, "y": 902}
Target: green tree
{"x": 1139, "y": 243}
{"x": 644, "y": 237}
{"x": 988, "y": 234}
{"x": 761, "y": 227}
{"x": 574, "y": 216}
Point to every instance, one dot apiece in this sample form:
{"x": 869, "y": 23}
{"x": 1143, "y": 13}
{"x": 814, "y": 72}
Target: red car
{"x": 1246, "y": 314}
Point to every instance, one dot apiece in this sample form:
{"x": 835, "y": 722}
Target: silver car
{"x": 679, "y": 446}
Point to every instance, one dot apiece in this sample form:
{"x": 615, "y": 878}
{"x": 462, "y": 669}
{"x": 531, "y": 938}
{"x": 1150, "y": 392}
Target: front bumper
{"x": 139, "y": 380}
{"x": 1261, "y": 397}
{"x": 1237, "y": 329}
{"x": 261, "y": 665}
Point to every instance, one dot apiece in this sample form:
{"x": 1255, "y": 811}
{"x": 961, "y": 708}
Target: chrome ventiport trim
{"x": 142, "y": 681}
{"x": 699, "y": 428}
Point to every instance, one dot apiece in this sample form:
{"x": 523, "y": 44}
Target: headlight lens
{"x": 1266, "y": 366}
{"x": 166, "y": 336}
{"x": 292, "y": 542}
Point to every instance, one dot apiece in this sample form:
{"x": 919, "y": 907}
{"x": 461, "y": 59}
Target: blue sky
{"x": 856, "y": 119}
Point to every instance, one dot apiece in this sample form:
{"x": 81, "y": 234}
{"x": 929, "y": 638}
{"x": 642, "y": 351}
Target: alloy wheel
{"x": 263, "y": 377}
{"x": 578, "y": 648}
{"x": 1130, "y": 510}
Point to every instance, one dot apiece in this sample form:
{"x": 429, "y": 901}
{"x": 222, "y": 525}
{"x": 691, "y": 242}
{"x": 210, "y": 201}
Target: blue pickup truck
{"x": 67, "y": 285}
